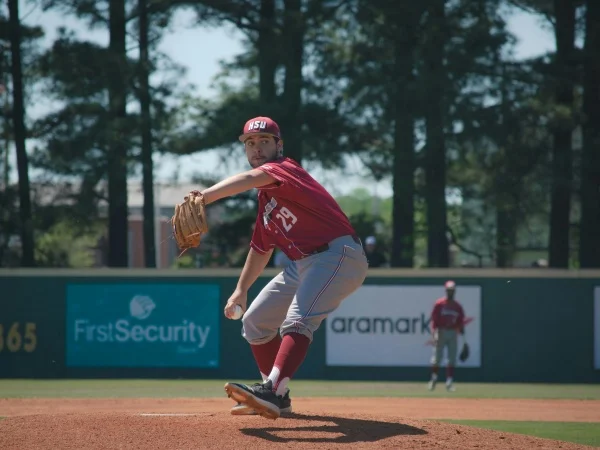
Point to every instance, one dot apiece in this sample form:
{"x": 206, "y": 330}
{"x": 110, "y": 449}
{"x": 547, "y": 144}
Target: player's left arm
{"x": 237, "y": 184}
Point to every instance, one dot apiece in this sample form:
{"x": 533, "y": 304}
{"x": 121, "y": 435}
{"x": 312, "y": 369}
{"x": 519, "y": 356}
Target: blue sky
{"x": 201, "y": 49}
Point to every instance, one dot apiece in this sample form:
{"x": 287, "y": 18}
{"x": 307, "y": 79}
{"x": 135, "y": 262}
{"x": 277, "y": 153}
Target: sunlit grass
{"x": 132, "y": 388}
{"x": 578, "y": 432}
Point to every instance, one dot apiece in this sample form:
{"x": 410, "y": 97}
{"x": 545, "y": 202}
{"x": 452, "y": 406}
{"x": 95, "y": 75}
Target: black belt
{"x": 325, "y": 247}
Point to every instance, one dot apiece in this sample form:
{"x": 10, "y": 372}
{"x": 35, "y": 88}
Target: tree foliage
{"x": 476, "y": 145}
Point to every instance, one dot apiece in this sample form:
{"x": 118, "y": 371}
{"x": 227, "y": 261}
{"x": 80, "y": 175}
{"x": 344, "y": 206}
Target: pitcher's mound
{"x": 220, "y": 430}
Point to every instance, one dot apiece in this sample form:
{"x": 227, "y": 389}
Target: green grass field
{"x": 582, "y": 433}
{"x": 214, "y": 388}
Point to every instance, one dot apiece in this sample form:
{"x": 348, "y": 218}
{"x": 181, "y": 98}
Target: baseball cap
{"x": 370, "y": 240}
{"x": 450, "y": 284}
{"x": 260, "y": 125}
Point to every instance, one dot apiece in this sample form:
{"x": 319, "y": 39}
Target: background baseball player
{"x": 297, "y": 215}
{"x": 447, "y": 320}
{"x": 375, "y": 256}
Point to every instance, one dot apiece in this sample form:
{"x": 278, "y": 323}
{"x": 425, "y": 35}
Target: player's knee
{"x": 247, "y": 318}
{"x": 250, "y": 330}
{"x": 252, "y": 318}
{"x": 248, "y": 327}
{"x": 253, "y": 336}
{"x": 257, "y": 340}
{"x": 298, "y": 328}
{"x": 255, "y": 331}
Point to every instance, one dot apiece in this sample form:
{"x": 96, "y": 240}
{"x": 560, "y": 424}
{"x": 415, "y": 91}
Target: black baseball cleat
{"x": 285, "y": 407}
{"x": 285, "y": 403}
{"x": 260, "y": 397}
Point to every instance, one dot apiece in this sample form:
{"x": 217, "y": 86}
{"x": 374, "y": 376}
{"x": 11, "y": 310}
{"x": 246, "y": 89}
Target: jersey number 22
{"x": 287, "y": 218}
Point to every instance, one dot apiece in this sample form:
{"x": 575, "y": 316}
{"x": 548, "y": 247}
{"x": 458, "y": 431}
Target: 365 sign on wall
{"x": 390, "y": 326}
{"x": 143, "y": 325}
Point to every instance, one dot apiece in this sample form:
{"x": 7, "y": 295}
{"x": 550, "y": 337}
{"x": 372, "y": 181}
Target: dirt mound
{"x": 151, "y": 424}
{"x": 414, "y": 408}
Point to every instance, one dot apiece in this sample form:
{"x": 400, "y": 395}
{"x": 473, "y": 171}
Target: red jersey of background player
{"x": 296, "y": 214}
{"x": 447, "y": 314}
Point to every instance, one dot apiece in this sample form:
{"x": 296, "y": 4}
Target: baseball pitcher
{"x": 327, "y": 263}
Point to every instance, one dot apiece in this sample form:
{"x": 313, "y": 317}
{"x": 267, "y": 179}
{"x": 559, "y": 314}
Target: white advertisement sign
{"x": 597, "y": 327}
{"x": 390, "y": 326}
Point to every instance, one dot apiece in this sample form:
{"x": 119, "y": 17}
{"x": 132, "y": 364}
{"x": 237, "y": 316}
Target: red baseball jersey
{"x": 296, "y": 214}
{"x": 447, "y": 315}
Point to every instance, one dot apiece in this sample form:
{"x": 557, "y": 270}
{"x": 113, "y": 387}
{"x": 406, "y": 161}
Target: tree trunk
{"x": 147, "y": 164}
{"x": 562, "y": 165}
{"x": 435, "y": 157}
{"x": 508, "y": 185}
{"x": 403, "y": 247}
{"x": 6, "y": 117}
{"x": 27, "y": 242}
{"x": 267, "y": 57}
{"x": 292, "y": 95}
{"x": 506, "y": 227}
{"x": 7, "y": 136}
{"x": 589, "y": 246}
{"x": 117, "y": 154}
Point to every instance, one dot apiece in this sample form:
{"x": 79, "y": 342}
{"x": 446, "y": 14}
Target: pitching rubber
{"x": 263, "y": 408}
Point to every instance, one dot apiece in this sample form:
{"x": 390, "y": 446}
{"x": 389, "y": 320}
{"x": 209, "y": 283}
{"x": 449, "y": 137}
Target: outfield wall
{"x": 523, "y": 326}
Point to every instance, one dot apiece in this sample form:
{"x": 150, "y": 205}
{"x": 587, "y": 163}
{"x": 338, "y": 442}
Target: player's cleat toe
{"x": 259, "y": 396}
{"x": 450, "y": 387}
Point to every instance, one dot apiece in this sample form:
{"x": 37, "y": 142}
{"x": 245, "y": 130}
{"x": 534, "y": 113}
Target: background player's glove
{"x": 464, "y": 353}
{"x": 189, "y": 221}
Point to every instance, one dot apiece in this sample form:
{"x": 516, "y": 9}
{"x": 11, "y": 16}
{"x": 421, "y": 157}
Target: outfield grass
{"x": 580, "y": 433}
{"x": 128, "y": 388}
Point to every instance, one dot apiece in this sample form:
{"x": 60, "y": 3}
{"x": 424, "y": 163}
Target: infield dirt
{"x": 319, "y": 423}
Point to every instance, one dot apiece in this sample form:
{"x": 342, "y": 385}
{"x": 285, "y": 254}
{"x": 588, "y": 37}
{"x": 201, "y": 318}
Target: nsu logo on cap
{"x": 257, "y": 125}
{"x": 261, "y": 125}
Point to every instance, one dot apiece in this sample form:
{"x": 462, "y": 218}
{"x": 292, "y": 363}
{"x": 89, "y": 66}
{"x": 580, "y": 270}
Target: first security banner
{"x": 143, "y": 325}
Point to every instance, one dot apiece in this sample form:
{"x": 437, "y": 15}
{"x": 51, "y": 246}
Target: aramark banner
{"x": 390, "y": 326}
{"x": 143, "y": 325}
{"x": 597, "y": 327}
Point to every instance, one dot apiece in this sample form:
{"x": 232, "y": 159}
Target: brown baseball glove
{"x": 189, "y": 221}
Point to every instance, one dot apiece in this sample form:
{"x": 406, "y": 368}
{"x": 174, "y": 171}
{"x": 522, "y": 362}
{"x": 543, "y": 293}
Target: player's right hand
{"x": 237, "y": 298}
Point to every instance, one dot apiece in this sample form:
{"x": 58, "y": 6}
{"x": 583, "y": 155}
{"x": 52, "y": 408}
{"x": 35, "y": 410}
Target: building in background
{"x": 166, "y": 196}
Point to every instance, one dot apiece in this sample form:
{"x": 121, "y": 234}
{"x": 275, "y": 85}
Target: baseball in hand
{"x": 238, "y": 312}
